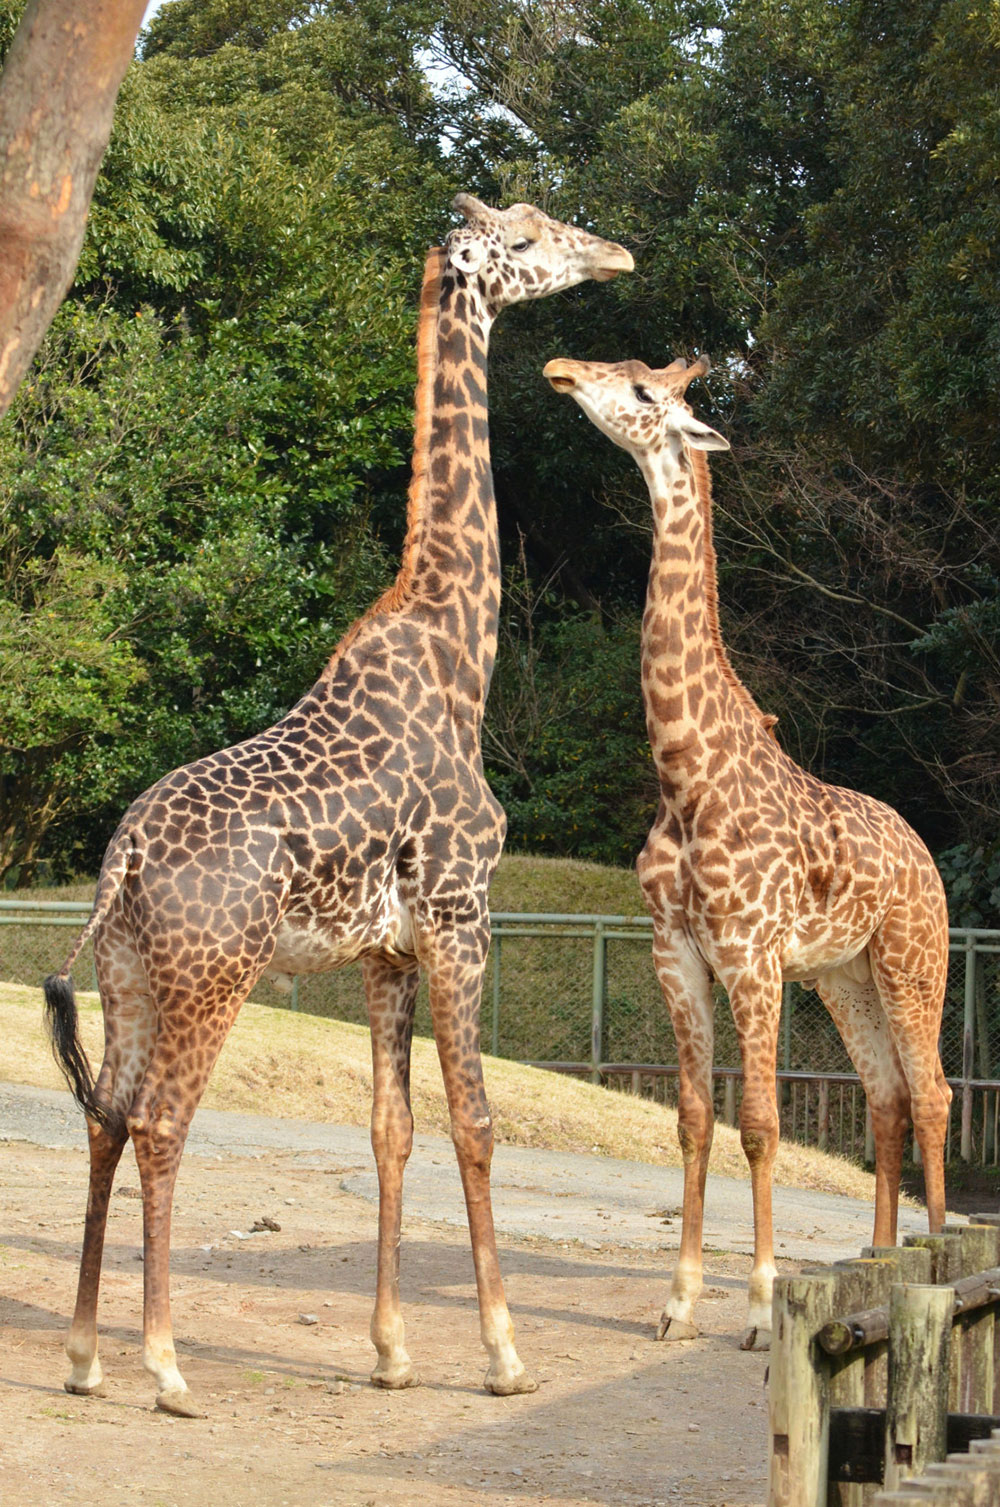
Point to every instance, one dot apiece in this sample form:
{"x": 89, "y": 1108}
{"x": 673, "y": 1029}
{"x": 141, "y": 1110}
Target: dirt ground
{"x": 272, "y": 1332}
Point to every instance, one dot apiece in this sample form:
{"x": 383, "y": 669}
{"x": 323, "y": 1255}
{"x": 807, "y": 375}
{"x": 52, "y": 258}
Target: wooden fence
{"x": 883, "y": 1366}
{"x": 971, "y": 1480}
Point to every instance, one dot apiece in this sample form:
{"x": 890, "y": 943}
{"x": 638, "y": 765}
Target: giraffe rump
{"x": 61, "y": 1016}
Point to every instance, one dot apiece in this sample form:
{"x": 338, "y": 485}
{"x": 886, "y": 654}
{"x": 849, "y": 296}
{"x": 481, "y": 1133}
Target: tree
{"x": 810, "y": 191}
{"x": 57, "y": 95}
{"x": 221, "y": 415}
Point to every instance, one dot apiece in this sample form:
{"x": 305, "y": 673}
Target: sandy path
{"x": 291, "y": 1419}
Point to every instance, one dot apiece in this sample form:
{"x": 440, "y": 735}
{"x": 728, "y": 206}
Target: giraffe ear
{"x": 466, "y": 252}
{"x": 699, "y": 436}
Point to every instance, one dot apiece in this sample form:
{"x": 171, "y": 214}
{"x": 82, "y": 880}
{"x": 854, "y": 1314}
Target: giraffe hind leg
{"x": 129, "y": 1029}
{"x": 855, "y": 1005}
{"x": 687, "y": 992}
{"x": 86, "y": 1376}
{"x": 913, "y": 998}
{"x": 391, "y": 998}
{"x": 192, "y": 1026}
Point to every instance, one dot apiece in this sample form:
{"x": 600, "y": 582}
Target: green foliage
{"x": 205, "y": 478}
{"x": 565, "y": 740}
{"x": 971, "y": 875}
{"x": 219, "y": 424}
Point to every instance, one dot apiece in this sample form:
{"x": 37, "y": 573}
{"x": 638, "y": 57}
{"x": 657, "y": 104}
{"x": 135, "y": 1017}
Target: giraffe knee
{"x": 759, "y": 1134}
{"x": 473, "y": 1138}
{"x": 695, "y": 1121}
{"x": 392, "y": 1137}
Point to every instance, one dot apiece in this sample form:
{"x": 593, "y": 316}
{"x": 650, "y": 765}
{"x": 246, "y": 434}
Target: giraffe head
{"x": 520, "y": 253}
{"x": 643, "y": 411}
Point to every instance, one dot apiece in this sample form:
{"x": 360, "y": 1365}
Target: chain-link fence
{"x": 578, "y": 992}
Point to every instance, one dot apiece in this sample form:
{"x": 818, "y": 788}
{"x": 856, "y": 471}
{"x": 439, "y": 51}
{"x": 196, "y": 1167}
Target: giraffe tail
{"x": 60, "y": 1010}
{"x": 60, "y": 1000}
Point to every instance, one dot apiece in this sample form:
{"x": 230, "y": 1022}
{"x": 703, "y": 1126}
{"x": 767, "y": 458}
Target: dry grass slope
{"x": 305, "y": 1067}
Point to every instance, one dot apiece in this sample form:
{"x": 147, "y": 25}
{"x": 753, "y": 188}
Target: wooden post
{"x": 729, "y": 1110}
{"x": 946, "y": 1255}
{"x": 994, "y": 1220}
{"x": 798, "y": 1393}
{"x": 971, "y": 1388}
{"x": 916, "y": 1419}
{"x": 911, "y": 1263}
{"x": 860, "y": 1284}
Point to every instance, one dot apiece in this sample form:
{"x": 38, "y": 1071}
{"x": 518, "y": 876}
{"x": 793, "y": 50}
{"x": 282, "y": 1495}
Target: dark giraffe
{"x": 360, "y": 826}
{"x": 755, "y": 871}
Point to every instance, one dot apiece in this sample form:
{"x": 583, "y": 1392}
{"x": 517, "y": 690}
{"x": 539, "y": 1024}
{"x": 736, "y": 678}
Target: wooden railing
{"x": 883, "y": 1367}
{"x": 971, "y": 1480}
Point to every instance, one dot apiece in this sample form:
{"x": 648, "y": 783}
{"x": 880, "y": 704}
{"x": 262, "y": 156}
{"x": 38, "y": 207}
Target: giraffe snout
{"x": 560, "y": 374}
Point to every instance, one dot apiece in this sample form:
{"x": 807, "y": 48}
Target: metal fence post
{"x": 597, "y": 1011}
{"x": 496, "y": 996}
{"x": 968, "y": 1047}
{"x": 787, "y": 999}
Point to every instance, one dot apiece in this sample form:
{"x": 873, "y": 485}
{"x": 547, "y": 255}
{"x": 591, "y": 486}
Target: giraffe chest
{"x": 747, "y": 885}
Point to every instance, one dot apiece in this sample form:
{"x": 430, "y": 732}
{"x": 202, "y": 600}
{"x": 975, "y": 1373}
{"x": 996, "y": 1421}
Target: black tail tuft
{"x": 60, "y": 1009}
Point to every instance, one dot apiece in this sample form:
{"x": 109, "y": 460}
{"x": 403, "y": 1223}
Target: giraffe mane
{"x": 703, "y": 489}
{"x": 397, "y": 595}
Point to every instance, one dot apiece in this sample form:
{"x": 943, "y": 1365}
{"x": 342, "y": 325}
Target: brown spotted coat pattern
{"x": 755, "y": 871}
{"x": 360, "y": 826}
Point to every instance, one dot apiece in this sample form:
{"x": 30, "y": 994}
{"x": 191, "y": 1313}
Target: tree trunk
{"x": 57, "y": 98}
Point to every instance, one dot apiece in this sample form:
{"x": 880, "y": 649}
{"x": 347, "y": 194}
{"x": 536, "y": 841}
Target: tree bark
{"x": 57, "y": 98}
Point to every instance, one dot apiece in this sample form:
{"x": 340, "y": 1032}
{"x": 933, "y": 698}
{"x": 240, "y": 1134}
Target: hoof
{"x": 395, "y": 1378}
{"x": 510, "y": 1386}
{"x": 676, "y": 1329}
{"x": 80, "y": 1389}
{"x": 179, "y": 1402}
{"x": 756, "y": 1339}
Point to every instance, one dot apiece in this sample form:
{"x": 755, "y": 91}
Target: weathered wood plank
{"x": 866, "y": 1281}
{"x": 798, "y": 1392}
{"x": 917, "y": 1402}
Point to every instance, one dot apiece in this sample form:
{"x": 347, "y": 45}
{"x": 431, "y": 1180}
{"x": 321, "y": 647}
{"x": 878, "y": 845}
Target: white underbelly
{"x": 314, "y": 942}
{"x": 803, "y": 959}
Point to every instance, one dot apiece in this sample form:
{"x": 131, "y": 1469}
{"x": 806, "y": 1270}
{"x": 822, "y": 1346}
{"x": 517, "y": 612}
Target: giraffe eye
{"x": 521, "y": 244}
{"x": 642, "y": 393}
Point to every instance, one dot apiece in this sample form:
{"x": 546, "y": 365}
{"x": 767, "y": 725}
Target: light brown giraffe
{"x": 360, "y": 826}
{"x": 755, "y": 871}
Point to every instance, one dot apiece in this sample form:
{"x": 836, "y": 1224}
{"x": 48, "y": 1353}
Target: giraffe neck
{"x": 450, "y": 571}
{"x": 694, "y": 699}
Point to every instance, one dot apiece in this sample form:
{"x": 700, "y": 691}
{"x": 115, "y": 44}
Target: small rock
{"x": 308, "y": 1318}
{"x": 335, "y": 1387}
{"x": 265, "y": 1222}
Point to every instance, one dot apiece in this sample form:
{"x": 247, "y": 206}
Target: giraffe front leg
{"x": 756, "y": 1005}
{"x": 694, "y": 1131}
{"x": 455, "y": 988}
{"x": 391, "y": 998}
{"x": 686, "y": 987}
